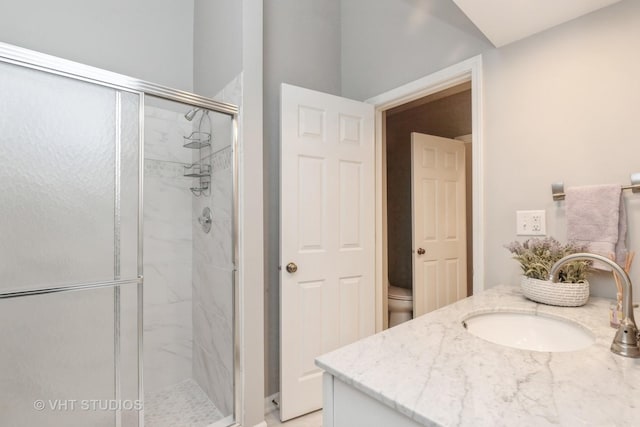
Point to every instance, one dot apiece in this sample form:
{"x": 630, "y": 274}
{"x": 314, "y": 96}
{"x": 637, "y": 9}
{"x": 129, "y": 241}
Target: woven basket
{"x": 561, "y": 294}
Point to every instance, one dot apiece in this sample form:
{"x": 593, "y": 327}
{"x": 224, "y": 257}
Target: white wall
{"x": 301, "y": 47}
{"x": 250, "y": 213}
{"x": 562, "y": 105}
{"x": 217, "y": 44}
{"x": 387, "y": 43}
{"x": 148, "y": 39}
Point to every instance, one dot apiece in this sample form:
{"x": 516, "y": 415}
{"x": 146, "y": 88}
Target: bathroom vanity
{"x": 432, "y": 371}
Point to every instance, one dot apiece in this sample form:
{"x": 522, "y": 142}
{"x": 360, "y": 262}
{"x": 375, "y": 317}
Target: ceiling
{"x": 505, "y": 21}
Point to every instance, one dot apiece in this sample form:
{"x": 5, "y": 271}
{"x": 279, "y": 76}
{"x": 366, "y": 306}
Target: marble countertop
{"x": 436, "y": 373}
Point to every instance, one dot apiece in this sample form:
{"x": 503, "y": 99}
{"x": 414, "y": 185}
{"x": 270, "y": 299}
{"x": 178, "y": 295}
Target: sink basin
{"x": 529, "y": 331}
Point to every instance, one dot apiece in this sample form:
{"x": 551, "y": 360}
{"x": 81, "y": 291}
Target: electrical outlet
{"x": 531, "y": 223}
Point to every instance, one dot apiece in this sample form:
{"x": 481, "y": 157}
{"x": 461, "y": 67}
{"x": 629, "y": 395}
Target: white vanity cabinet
{"x": 344, "y": 406}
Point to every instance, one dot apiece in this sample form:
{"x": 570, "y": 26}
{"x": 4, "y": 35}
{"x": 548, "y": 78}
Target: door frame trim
{"x": 468, "y": 70}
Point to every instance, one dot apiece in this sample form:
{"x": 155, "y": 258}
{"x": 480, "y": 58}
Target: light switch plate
{"x": 531, "y": 223}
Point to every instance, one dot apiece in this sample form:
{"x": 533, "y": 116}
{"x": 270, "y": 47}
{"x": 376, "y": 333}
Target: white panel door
{"x": 439, "y": 228}
{"x": 327, "y": 230}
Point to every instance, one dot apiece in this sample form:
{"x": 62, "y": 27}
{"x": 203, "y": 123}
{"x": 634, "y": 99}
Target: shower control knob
{"x": 421, "y": 251}
{"x": 292, "y": 267}
{"x": 205, "y": 220}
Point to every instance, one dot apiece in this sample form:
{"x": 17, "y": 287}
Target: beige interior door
{"x": 439, "y": 222}
{"x": 327, "y": 295}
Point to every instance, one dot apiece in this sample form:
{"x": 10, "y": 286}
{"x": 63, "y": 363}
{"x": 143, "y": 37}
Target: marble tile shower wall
{"x": 168, "y": 251}
{"x": 213, "y": 268}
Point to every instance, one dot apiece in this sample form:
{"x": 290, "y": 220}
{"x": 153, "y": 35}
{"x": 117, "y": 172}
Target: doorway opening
{"x": 434, "y": 88}
{"x": 446, "y": 114}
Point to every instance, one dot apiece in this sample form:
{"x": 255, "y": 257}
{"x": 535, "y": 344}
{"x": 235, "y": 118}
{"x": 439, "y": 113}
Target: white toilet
{"x": 400, "y": 301}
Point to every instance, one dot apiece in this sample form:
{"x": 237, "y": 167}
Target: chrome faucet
{"x": 625, "y": 343}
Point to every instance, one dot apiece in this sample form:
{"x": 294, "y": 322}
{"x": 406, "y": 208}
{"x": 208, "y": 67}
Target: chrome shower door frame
{"x": 121, "y": 83}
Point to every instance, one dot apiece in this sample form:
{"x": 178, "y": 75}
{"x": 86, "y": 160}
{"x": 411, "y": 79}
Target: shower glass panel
{"x": 57, "y": 359}
{"x": 58, "y": 158}
{"x": 189, "y": 286}
{"x": 69, "y": 168}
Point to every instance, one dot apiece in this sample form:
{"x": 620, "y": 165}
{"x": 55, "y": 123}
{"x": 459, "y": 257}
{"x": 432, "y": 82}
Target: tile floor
{"x": 186, "y": 404}
{"x": 182, "y": 404}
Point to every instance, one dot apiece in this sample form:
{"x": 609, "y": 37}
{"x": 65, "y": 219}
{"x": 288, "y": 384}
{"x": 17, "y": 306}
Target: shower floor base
{"x": 182, "y": 404}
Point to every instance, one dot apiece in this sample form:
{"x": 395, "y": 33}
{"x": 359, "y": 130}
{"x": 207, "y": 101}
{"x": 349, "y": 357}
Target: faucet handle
{"x": 625, "y": 343}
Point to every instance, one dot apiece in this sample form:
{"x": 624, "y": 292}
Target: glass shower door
{"x": 69, "y": 251}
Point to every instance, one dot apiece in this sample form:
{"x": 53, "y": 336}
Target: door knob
{"x": 421, "y": 251}
{"x": 292, "y": 267}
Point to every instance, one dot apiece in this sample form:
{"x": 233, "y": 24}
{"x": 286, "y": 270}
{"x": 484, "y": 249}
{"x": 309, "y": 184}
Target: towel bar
{"x": 557, "y": 188}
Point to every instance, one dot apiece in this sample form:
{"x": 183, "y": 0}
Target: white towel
{"x": 596, "y": 215}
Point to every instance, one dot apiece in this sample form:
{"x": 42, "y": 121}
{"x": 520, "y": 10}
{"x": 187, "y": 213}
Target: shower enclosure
{"x": 117, "y": 249}
{"x": 188, "y": 264}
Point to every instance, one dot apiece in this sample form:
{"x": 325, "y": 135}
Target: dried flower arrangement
{"x": 537, "y": 256}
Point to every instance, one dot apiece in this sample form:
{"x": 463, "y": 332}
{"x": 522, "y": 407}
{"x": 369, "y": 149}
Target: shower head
{"x": 191, "y": 113}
